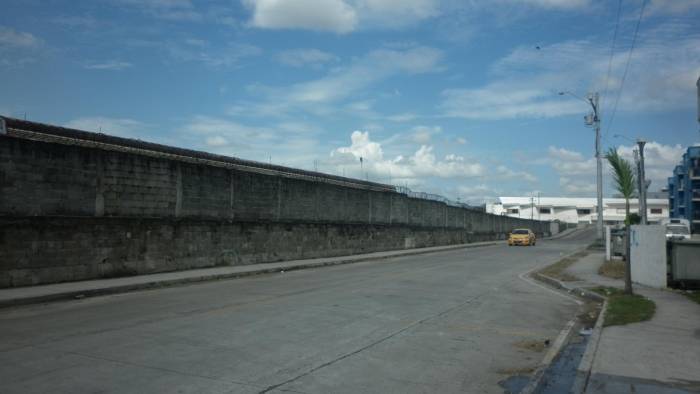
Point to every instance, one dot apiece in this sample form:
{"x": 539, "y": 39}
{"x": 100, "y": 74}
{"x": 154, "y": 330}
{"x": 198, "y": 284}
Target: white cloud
{"x": 302, "y": 57}
{"x": 402, "y": 117}
{"x": 502, "y": 101}
{"x": 339, "y": 16}
{"x": 577, "y": 173}
{"x": 504, "y": 172}
{"x": 176, "y": 10}
{"x": 341, "y": 83}
{"x": 375, "y": 66}
{"x": 559, "y": 4}
{"x": 110, "y": 65}
{"x": 121, "y": 127}
{"x": 673, "y": 7}
{"x": 423, "y": 134}
{"x": 659, "y": 161}
{"x": 577, "y": 187}
{"x": 395, "y": 13}
{"x": 661, "y": 77}
{"x": 328, "y": 15}
{"x": 419, "y": 166}
{"x": 16, "y": 39}
{"x": 193, "y": 50}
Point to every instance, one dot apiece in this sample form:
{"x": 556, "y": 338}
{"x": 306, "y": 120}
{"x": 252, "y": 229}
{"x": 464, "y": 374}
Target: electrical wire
{"x": 612, "y": 52}
{"x": 627, "y": 66}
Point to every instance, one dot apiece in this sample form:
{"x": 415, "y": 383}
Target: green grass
{"x": 694, "y": 296}
{"x": 625, "y": 309}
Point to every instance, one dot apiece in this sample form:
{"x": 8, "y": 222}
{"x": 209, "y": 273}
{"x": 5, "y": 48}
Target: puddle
{"x": 561, "y": 374}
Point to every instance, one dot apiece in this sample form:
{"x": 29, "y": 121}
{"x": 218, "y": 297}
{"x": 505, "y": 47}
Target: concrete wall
{"x": 48, "y": 189}
{"x": 648, "y": 255}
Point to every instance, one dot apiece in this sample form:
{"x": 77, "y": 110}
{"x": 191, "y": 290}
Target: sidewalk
{"x": 657, "y": 356}
{"x": 68, "y": 290}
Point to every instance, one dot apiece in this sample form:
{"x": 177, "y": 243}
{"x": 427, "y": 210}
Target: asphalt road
{"x": 441, "y": 322}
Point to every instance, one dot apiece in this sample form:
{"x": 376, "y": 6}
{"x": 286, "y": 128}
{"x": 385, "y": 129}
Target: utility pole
{"x": 593, "y": 120}
{"x": 532, "y": 207}
{"x": 639, "y": 181}
{"x": 593, "y": 100}
{"x": 643, "y": 183}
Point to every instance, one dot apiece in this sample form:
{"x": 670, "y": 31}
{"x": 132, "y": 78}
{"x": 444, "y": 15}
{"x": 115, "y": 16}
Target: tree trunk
{"x": 628, "y": 250}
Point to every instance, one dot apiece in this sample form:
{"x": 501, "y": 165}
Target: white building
{"x": 574, "y": 210}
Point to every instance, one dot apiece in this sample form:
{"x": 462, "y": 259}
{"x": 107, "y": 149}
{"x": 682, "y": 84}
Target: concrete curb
{"x": 583, "y": 372}
{"x": 116, "y": 289}
{"x": 566, "y": 332}
{"x": 562, "y": 339}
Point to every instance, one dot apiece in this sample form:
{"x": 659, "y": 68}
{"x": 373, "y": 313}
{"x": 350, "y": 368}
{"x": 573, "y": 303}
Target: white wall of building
{"x": 574, "y": 210}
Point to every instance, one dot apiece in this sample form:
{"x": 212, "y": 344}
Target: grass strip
{"x": 693, "y": 295}
{"x": 625, "y": 309}
{"x": 558, "y": 269}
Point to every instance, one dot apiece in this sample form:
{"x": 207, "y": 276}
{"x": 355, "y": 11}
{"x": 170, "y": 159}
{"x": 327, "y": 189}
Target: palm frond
{"x": 623, "y": 174}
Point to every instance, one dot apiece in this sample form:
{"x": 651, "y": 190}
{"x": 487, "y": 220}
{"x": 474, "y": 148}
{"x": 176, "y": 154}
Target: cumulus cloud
{"x": 328, "y": 15}
{"x": 659, "y": 161}
{"x": 339, "y": 16}
{"x": 577, "y": 172}
{"x": 304, "y": 56}
{"x": 412, "y": 169}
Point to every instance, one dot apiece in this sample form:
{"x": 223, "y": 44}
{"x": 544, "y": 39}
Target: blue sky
{"x": 452, "y": 97}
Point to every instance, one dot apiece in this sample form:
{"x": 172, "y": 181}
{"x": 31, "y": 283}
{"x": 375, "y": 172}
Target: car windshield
{"x": 520, "y": 232}
{"x": 681, "y": 230}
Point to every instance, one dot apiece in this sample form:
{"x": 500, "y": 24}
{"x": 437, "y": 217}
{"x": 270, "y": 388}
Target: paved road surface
{"x": 442, "y": 322}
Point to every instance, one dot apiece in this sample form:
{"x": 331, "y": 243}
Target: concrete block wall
{"x": 115, "y": 193}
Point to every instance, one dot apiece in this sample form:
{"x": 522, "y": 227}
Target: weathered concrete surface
{"x": 445, "y": 322}
{"x": 663, "y": 353}
{"x": 657, "y": 356}
{"x": 75, "y": 211}
{"x": 46, "y": 250}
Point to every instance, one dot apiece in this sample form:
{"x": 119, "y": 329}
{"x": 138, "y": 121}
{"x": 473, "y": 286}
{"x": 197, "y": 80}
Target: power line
{"x": 627, "y": 66}
{"x": 612, "y": 52}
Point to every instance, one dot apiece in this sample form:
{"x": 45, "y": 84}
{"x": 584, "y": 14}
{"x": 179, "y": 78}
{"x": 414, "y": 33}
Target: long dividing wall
{"x": 71, "y": 211}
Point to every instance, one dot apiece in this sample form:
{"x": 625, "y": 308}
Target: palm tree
{"x": 624, "y": 180}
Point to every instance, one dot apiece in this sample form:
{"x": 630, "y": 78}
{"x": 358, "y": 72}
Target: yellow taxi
{"x": 522, "y": 236}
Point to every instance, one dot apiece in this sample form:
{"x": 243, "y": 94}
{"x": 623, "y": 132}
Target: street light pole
{"x": 643, "y": 182}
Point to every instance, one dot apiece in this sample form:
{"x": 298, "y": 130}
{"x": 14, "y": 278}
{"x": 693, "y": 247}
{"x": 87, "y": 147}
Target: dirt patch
{"x": 558, "y": 269}
{"x": 614, "y": 269}
{"x": 534, "y": 345}
{"x": 589, "y": 314}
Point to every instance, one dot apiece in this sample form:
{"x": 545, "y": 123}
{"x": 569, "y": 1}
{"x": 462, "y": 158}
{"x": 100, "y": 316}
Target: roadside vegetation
{"x": 558, "y": 269}
{"x": 625, "y": 308}
{"x": 614, "y": 269}
{"x": 693, "y": 295}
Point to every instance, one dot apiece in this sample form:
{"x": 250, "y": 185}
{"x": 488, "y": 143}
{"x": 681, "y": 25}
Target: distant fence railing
{"x": 435, "y": 197}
